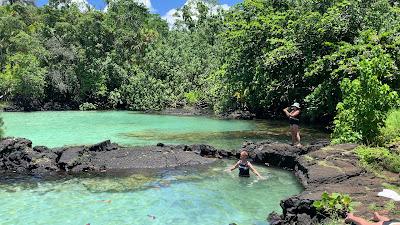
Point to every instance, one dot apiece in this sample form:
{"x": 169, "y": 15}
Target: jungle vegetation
{"x": 338, "y": 58}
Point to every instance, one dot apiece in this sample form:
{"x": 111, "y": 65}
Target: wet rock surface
{"x": 182, "y": 110}
{"x": 239, "y": 115}
{"x": 321, "y": 167}
{"x": 36, "y": 106}
{"x": 17, "y": 155}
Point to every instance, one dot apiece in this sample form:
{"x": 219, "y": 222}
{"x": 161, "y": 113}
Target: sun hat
{"x": 296, "y": 104}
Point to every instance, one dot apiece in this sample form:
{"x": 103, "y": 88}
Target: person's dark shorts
{"x": 294, "y": 121}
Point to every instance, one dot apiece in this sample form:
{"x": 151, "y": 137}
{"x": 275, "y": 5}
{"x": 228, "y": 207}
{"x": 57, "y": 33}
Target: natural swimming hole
{"x": 179, "y": 196}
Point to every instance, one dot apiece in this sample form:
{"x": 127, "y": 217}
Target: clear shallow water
{"x": 177, "y": 197}
{"x": 55, "y": 129}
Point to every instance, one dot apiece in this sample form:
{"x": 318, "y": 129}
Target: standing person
{"x": 294, "y": 122}
{"x": 244, "y": 166}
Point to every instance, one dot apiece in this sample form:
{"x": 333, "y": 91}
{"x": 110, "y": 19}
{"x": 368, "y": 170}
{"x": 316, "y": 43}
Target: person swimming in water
{"x": 244, "y": 166}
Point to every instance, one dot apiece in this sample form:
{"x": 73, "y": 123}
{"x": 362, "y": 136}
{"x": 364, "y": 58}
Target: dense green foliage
{"x": 390, "y": 133}
{"x": 332, "y": 205}
{"x": 338, "y": 58}
{"x": 281, "y": 51}
{"x": 378, "y": 159}
{"x": 365, "y": 104}
{"x": 124, "y": 58}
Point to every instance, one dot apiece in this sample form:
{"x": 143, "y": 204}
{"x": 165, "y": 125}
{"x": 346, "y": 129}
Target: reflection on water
{"x": 274, "y": 131}
{"x": 181, "y": 196}
{"x": 55, "y": 129}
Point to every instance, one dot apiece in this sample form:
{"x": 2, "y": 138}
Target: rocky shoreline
{"x": 180, "y": 111}
{"x": 17, "y": 155}
{"x": 319, "y": 167}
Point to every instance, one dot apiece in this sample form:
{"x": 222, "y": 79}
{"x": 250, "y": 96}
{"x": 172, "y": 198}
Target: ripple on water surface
{"x": 176, "y": 197}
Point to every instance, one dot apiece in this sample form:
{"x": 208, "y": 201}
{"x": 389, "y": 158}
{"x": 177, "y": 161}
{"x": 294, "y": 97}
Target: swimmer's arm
{"x": 234, "y": 166}
{"x": 254, "y": 170}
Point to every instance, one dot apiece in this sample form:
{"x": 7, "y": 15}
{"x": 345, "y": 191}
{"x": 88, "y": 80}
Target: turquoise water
{"x": 55, "y": 129}
{"x": 177, "y": 197}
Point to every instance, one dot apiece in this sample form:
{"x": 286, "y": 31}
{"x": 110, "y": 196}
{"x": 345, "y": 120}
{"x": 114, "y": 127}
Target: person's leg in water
{"x": 360, "y": 221}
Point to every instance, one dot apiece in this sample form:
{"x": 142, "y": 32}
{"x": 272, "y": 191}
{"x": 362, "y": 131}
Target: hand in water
{"x": 261, "y": 178}
{"x": 228, "y": 170}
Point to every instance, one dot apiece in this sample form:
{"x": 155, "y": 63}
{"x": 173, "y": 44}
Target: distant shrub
{"x": 378, "y": 158}
{"x": 192, "y": 97}
{"x": 115, "y": 99}
{"x": 87, "y": 106}
{"x": 143, "y": 92}
{"x": 391, "y": 131}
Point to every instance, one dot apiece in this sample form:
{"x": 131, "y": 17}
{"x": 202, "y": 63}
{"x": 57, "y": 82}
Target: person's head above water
{"x": 244, "y": 155}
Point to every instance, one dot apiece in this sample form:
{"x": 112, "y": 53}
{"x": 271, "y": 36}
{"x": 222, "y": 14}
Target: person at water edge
{"x": 293, "y": 114}
{"x": 244, "y": 166}
{"x": 379, "y": 220}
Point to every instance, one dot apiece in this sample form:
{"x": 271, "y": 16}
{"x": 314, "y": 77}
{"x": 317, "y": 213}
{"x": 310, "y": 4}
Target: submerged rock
{"x": 131, "y": 183}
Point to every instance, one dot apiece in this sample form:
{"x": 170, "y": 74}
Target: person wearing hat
{"x": 293, "y": 114}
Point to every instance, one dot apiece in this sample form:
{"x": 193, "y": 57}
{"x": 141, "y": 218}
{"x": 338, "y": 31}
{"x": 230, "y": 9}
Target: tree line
{"x": 338, "y": 58}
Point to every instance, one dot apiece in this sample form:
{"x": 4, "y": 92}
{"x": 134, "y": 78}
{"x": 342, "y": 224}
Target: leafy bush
{"x": 115, "y": 99}
{"x": 365, "y": 104}
{"x": 87, "y": 106}
{"x": 192, "y": 97}
{"x": 144, "y": 93}
{"x": 333, "y": 205}
{"x": 391, "y": 131}
{"x": 26, "y": 77}
{"x": 378, "y": 159}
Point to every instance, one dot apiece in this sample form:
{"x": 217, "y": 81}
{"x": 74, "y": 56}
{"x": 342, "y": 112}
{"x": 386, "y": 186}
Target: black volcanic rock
{"x": 17, "y": 154}
{"x": 103, "y": 146}
{"x": 319, "y": 167}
